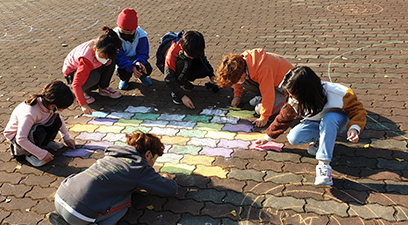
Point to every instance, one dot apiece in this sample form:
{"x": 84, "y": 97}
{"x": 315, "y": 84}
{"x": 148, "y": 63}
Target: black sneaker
{"x": 56, "y": 219}
{"x": 187, "y": 87}
{"x": 176, "y": 100}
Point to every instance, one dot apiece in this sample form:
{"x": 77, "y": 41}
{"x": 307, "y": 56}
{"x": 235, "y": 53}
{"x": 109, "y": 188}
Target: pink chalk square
{"x": 268, "y": 146}
{"x": 233, "y": 144}
{"x": 216, "y": 152}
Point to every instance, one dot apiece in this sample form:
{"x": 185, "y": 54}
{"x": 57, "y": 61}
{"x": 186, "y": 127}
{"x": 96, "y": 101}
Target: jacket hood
{"x": 254, "y": 59}
{"x": 123, "y": 152}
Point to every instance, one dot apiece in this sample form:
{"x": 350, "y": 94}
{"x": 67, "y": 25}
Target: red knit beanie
{"x": 127, "y": 19}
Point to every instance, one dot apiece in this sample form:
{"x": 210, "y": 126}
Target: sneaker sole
{"x": 323, "y": 182}
{"x": 106, "y": 95}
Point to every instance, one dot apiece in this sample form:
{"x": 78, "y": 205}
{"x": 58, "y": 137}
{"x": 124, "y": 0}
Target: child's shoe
{"x": 109, "y": 92}
{"x": 56, "y": 219}
{"x": 33, "y": 160}
{"x": 187, "y": 87}
{"x": 123, "y": 84}
{"x": 255, "y": 101}
{"x": 313, "y": 147}
{"x": 89, "y": 99}
{"x": 145, "y": 81}
{"x": 54, "y": 145}
{"x": 176, "y": 100}
{"x": 323, "y": 174}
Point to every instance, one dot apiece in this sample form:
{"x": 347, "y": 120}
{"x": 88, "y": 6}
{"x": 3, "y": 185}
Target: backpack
{"x": 165, "y": 43}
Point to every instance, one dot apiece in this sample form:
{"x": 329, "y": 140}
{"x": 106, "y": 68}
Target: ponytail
{"x": 108, "y": 43}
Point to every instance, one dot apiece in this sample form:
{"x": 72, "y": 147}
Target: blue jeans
{"x": 325, "y": 131}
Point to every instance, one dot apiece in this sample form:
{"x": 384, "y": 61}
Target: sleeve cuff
{"x": 355, "y": 127}
{"x": 266, "y": 137}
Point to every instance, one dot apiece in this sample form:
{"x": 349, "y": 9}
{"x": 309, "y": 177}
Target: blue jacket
{"x": 137, "y": 51}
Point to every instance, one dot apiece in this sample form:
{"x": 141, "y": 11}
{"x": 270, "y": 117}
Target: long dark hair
{"x": 108, "y": 43}
{"x": 306, "y": 87}
{"x": 56, "y": 92}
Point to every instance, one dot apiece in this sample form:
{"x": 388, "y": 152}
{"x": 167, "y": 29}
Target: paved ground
{"x": 222, "y": 180}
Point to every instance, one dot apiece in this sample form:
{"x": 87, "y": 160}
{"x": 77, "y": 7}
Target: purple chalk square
{"x": 166, "y": 148}
{"x": 216, "y": 152}
{"x": 268, "y": 146}
{"x": 233, "y": 144}
{"x": 102, "y": 121}
{"x": 81, "y": 152}
{"x": 93, "y": 145}
{"x": 238, "y": 127}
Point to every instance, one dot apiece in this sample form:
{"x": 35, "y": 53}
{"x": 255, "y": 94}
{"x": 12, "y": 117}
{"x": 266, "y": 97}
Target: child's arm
{"x": 355, "y": 111}
{"x": 154, "y": 183}
{"x": 123, "y": 62}
{"x": 142, "y": 51}
{"x": 65, "y": 135}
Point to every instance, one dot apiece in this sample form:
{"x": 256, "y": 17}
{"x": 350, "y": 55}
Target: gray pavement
{"x": 222, "y": 180}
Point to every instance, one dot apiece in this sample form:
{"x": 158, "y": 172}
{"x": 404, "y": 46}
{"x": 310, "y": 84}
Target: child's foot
{"x": 323, "y": 174}
{"x": 123, "y": 84}
{"x": 33, "y": 160}
{"x": 313, "y": 147}
{"x": 109, "y": 92}
{"x": 255, "y": 101}
{"x": 89, "y": 99}
{"x": 56, "y": 219}
{"x": 54, "y": 145}
{"x": 145, "y": 81}
{"x": 187, "y": 87}
{"x": 176, "y": 100}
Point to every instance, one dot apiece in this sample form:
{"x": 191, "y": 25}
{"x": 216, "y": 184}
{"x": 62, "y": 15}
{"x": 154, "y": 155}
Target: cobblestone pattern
{"x": 222, "y": 181}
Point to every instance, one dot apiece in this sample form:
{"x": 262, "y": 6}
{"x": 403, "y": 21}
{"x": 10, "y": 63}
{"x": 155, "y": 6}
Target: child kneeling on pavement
{"x": 102, "y": 193}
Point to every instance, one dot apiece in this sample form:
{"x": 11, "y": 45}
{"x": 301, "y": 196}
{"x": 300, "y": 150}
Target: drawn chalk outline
{"x": 354, "y": 8}
{"x": 54, "y": 16}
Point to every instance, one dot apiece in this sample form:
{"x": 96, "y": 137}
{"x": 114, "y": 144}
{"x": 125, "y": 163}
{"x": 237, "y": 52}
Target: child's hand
{"x": 352, "y": 135}
{"x": 86, "y": 109}
{"x": 142, "y": 68}
{"x": 235, "y": 102}
{"x": 187, "y": 102}
{"x": 48, "y": 157}
{"x": 136, "y": 73}
{"x": 212, "y": 79}
{"x": 261, "y": 141}
{"x": 260, "y": 123}
{"x": 70, "y": 143}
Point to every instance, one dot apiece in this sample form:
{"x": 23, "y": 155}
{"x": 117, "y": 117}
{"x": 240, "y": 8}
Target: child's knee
{"x": 293, "y": 140}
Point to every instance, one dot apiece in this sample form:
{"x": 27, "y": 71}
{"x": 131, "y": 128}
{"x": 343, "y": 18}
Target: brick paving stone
{"x": 169, "y": 157}
{"x": 224, "y": 120}
{"x": 155, "y": 123}
{"x": 188, "y": 149}
{"x": 402, "y": 213}
{"x": 3, "y": 214}
{"x": 221, "y": 210}
{"x": 326, "y": 207}
{"x": 194, "y": 220}
{"x": 214, "y": 112}
{"x": 233, "y": 144}
{"x": 216, "y": 152}
{"x": 282, "y": 157}
{"x": 392, "y": 164}
{"x": 145, "y": 116}
{"x": 303, "y": 192}
{"x": 44, "y": 207}
{"x": 181, "y": 124}
{"x": 246, "y": 174}
{"x": 203, "y": 142}
{"x": 304, "y": 218}
{"x": 388, "y": 199}
{"x": 192, "y": 133}
{"x": 9, "y": 167}
{"x": 18, "y": 203}
{"x": 238, "y": 198}
{"x": 192, "y": 180}
{"x": 357, "y": 162}
{"x": 18, "y": 217}
{"x": 177, "y": 168}
{"x": 170, "y": 117}
{"x": 41, "y": 193}
{"x": 380, "y": 174}
{"x": 164, "y": 131}
{"x": 107, "y": 129}
{"x": 197, "y": 160}
{"x": 91, "y": 136}
{"x": 336, "y": 220}
{"x": 12, "y": 178}
{"x": 262, "y": 215}
{"x": 371, "y": 211}
{"x": 125, "y": 122}
{"x": 84, "y": 128}
{"x": 138, "y": 109}
{"x": 365, "y": 185}
{"x": 238, "y": 127}
{"x": 299, "y": 168}
{"x": 130, "y": 129}
{"x": 265, "y": 165}
{"x": 102, "y": 121}
{"x": 283, "y": 178}
{"x": 209, "y": 171}
{"x": 184, "y": 206}
{"x": 230, "y": 162}
{"x": 115, "y": 137}
{"x": 131, "y": 217}
{"x": 226, "y": 184}
{"x": 174, "y": 140}
{"x": 377, "y": 153}
{"x": 209, "y": 126}
{"x": 345, "y": 171}
{"x": 197, "y": 118}
{"x": 18, "y": 190}
{"x": 248, "y": 136}
{"x": 389, "y": 144}
{"x": 346, "y": 195}
{"x": 284, "y": 203}
{"x": 159, "y": 218}
{"x": 220, "y": 135}
{"x": 206, "y": 195}
{"x": 264, "y": 188}
{"x": 144, "y": 201}
{"x": 399, "y": 187}
{"x": 247, "y": 154}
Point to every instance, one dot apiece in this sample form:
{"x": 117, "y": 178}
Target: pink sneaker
{"x": 89, "y": 99}
{"x": 109, "y": 92}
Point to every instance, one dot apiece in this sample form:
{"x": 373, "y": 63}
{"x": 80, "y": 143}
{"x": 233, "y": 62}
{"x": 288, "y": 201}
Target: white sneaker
{"x": 89, "y": 99}
{"x": 33, "y": 160}
{"x": 313, "y": 147}
{"x": 109, "y": 92}
{"x": 255, "y": 101}
{"x": 54, "y": 145}
{"x": 323, "y": 174}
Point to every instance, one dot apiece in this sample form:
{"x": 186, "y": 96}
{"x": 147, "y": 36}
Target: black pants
{"x": 40, "y": 135}
{"x": 125, "y": 75}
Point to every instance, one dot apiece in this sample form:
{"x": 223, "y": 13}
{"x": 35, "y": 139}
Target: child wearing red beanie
{"x": 132, "y": 58}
